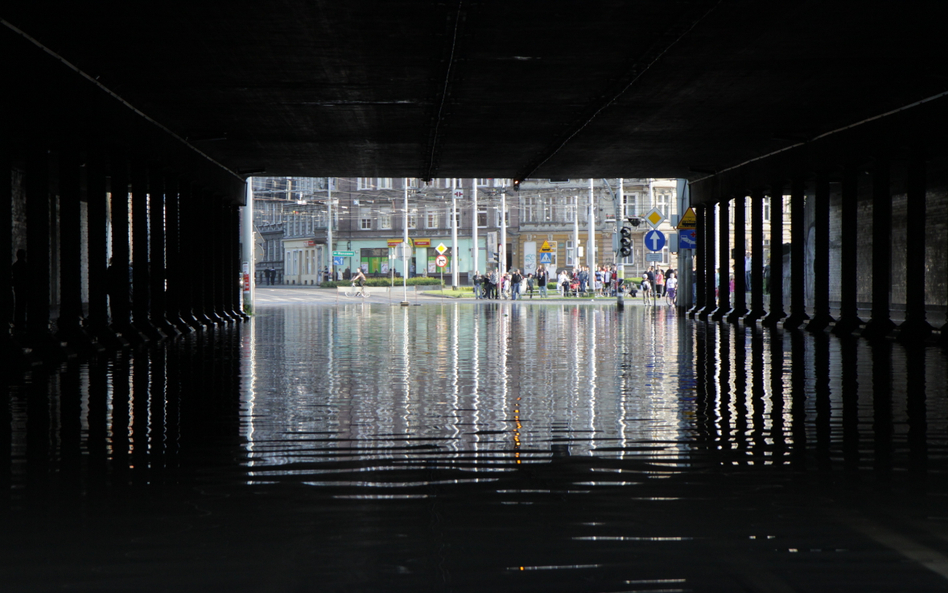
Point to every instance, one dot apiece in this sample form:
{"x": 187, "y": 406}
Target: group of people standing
{"x": 513, "y": 284}
{"x": 604, "y": 281}
{"x": 657, "y": 284}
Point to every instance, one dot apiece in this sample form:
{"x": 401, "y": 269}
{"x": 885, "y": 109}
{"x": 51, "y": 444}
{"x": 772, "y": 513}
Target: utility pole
{"x": 591, "y": 242}
{"x": 575, "y": 232}
{"x": 454, "y": 234}
{"x": 332, "y": 266}
{"x": 406, "y": 250}
{"x": 503, "y": 230}
{"x": 247, "y": 264}
{"x": 618, "y": 206}
{"x": 474, "y": 227}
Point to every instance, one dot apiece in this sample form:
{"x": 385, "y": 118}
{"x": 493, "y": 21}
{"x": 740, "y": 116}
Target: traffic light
{"x": 625, "y": 242}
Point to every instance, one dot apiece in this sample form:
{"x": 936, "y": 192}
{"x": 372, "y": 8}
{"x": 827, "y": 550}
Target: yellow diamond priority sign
{"x": 441, "y": 248}
{"x": 654, "y": 217}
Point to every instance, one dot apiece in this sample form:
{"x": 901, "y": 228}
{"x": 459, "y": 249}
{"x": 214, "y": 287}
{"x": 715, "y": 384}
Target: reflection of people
{"x": 21, "y": 287}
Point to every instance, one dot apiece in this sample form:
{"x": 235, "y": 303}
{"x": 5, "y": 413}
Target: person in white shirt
{"x": 671, "y": 287}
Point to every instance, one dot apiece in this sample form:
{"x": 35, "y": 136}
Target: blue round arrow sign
{"x": 654, "y": 240}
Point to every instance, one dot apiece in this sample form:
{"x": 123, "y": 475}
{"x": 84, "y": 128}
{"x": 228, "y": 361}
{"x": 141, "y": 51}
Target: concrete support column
{"x": 38, "y": 254}
{"x": 776, "y": 312}
{"x": 6, "y": 252}
{"x": 848, "y": 321}
{"x": 915, "y": 327}
{"x": 97, "y": 229}
{"x": 235, "y": 267}
{"x": 821, "y": 269}
{"x": 724, "y": 248}
{"x": 797, "y": 255}
{"x": 213, "y": 242}
{"x": 880, "y": 323}
{"x": 708, "y": 271}
{"x": 739, "y": 250}
{"x": 189, "y": 268}
{"x": 700, "y": 255}
{"x": 158, "y": 273}
{"x": 197, "y": 229}
{"x": 757, "y": 256}
{"x": 141, "y": 278}
{"x": 119, "y": 284}
{"x": 70, "y": 322}
{"x": 222, "y": 263}
{"x": 175, "y": 298}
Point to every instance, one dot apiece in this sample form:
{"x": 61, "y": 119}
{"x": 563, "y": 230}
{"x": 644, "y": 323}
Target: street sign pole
{"x": 332, "y": 262}
{"x": 405, "y": 250}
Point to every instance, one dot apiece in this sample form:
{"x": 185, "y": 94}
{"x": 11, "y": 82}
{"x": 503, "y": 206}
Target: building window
{"x": 767, "y": 208}
{"x": 528, "y": 212}
{"x": 457, "y": 217}
{"x": 482, "y": 219}
{"x": 570, "y": 210}
{"x": 413, "y": 219}
{"x": 431, "y": 219}
{"x": 384, "y": 183}
{"x": 365, "y": 219}
{"x": 364, "y": 183}
{"x": 385, "y": 219}
{"x": 483, "y": 182}
{"x": 663, "y": 200}
{"x": 569, "y": 253}
{"x": 546, "y": 206}
{"x": 501, "y": 220}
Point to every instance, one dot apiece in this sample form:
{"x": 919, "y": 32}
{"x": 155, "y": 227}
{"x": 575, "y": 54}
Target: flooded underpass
{"x": 475, "y": 447}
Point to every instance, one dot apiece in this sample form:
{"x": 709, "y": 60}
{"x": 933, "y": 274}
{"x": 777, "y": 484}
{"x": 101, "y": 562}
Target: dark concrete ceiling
{"x": 552, "y": 88}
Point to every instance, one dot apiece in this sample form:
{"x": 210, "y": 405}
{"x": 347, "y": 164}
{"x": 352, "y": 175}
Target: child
{"x": 646, "y": 289}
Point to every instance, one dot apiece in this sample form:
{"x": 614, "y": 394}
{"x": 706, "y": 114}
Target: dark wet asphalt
{"x": 479, "y": 447}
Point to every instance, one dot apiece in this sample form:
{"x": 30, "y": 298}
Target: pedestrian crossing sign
{"x": 546, "y": 258}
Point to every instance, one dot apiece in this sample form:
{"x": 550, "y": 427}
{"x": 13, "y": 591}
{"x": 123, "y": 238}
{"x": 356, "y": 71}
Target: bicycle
{"x": 355, "y": 291}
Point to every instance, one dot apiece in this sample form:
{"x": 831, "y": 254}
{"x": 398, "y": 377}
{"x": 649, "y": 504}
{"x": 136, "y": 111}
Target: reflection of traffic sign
{"x": 546, "y": 258}
{"x": 441, "y": 248}
{"x": 441, "y": 261}
{"x": 654, "y": 240}
{"x": 337, "y": 260}
{"x": 655, "y": 217}
{"x": 687, "y": 239}
{"x": 688, "y": 221}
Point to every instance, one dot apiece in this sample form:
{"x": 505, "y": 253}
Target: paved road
{"x": 286, "y": 295}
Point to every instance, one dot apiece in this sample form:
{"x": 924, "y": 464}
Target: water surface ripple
{"x": 488, "y": 446}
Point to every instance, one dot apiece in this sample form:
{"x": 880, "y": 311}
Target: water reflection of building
{"x": 479, "y": 388}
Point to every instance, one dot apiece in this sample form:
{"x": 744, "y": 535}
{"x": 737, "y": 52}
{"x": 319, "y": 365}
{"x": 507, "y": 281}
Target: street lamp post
{"x": 331, "y": 263}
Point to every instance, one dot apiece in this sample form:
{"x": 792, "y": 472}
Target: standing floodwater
{"x": 476, "y": 447}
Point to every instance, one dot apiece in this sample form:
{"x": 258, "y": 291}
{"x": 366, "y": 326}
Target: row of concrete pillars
{"x": 151, "y": 256}
{"x": 714, "y": 301}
